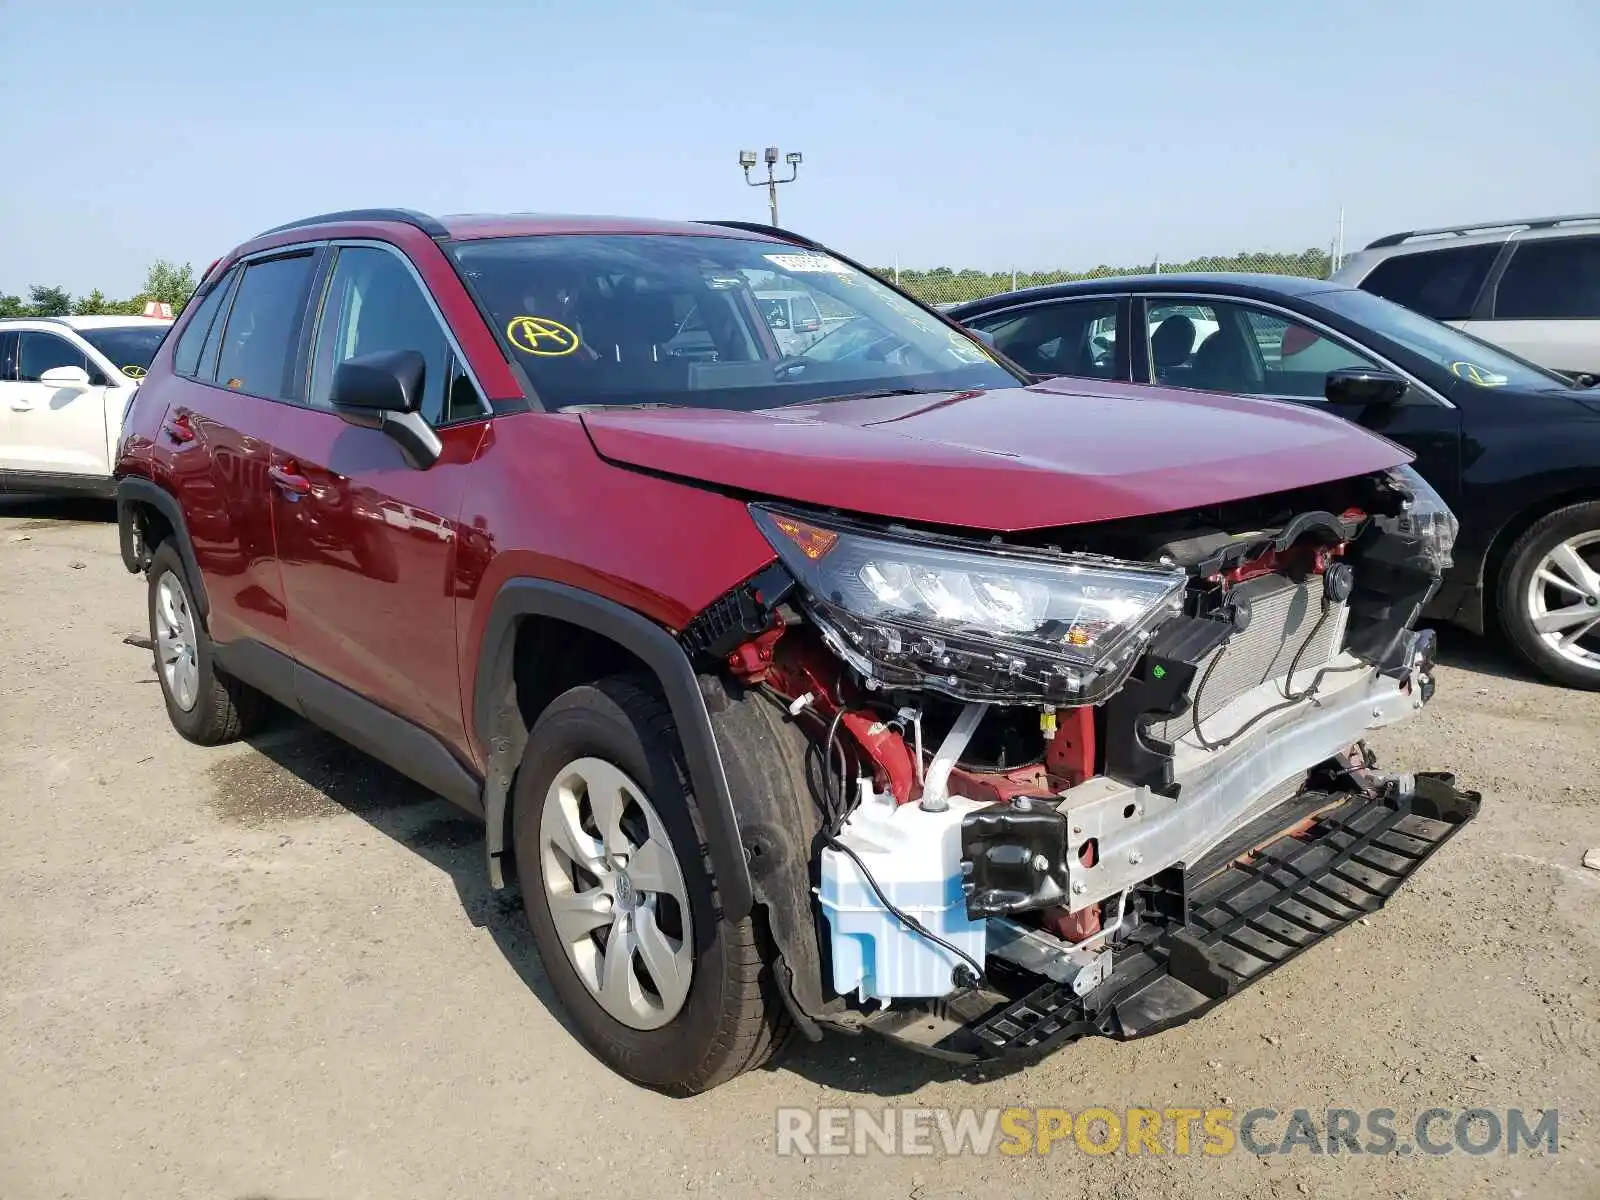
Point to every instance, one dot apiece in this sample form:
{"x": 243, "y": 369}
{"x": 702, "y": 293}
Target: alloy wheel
{"x": 176, "y": 650}
{"x": 1563, "y": 600}
{"x": 616, "y": 893}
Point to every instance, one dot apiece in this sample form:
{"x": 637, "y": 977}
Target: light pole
{"x": 747, "y": 159}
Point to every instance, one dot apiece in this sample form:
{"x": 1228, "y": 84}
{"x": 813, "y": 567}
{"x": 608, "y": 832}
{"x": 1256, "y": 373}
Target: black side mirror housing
{"x": 385, "y": 381}
{"x": 383, "y": 391}
{"x": 1363, "y": 387}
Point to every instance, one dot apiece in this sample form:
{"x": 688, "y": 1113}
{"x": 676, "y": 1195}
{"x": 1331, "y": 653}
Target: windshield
{"x": 1463, "y": 356}
{"x": 709, "y": 322}
{"x": 129, "y": 347}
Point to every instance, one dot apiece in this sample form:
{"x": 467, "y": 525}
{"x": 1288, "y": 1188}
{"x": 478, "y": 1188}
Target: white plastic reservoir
{"x": 915, "y": 856}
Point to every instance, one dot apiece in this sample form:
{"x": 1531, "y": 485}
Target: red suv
{"x": 867, "y": 685}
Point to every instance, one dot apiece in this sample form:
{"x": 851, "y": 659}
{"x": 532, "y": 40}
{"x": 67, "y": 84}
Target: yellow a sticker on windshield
{"x": 134, "y": 371}
{"x": 1481, "y": 376}
{"x": 541, "y": 336}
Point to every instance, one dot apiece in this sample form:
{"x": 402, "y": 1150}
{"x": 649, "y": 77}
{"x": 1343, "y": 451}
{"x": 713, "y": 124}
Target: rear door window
{"x": 1551, "y": 279}
{"x": 258, "y": 344}
{"x": 1442, "y": 284}
{"x": 186, "y": 357}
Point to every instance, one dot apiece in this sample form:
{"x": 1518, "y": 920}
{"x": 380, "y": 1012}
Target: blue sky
{"x": 1035, "y": 134}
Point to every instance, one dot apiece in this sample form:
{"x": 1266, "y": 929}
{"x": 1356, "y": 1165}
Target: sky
{"x": 1035, "y": 135}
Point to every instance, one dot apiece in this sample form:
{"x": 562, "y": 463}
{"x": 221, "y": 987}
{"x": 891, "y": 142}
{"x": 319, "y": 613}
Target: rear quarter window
{"x": 186, "y": 357}
{"x": 1442, "y": 284}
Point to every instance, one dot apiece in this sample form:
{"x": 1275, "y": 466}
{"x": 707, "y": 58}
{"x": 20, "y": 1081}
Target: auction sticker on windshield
{"x": 541, "y": 336}
{"x": 816, "y": 264}
{"x": 1481, "y": 376}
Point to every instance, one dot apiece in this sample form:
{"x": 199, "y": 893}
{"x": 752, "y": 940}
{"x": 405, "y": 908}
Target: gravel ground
{"x": 275, "y": 970}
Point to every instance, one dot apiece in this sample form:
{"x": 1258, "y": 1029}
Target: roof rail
{"x": 1394, "y": 239}
{"x": 404, "y": 216}
{"x": 771, "y": 230}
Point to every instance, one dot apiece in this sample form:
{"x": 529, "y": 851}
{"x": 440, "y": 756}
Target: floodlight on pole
{"x": 747, "y": 160}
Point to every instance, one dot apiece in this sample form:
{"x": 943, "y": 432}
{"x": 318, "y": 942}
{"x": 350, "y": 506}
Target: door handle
{"x": 288, "y": 481}
{"x": 21, "y": 406}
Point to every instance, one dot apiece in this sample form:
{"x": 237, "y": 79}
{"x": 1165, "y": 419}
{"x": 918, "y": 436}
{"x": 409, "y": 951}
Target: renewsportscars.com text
{"x": 1164, "y": 1131}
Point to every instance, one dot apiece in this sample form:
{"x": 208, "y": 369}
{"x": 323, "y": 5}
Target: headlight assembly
{"x": 1426, "y": 517}
{"x": 1012, "y": 625}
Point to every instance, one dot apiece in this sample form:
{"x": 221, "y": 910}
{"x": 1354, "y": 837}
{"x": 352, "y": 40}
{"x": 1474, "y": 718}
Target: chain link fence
{"x": 942, "y": 285}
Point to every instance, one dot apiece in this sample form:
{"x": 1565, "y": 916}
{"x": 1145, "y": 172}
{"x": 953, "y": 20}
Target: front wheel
{"x": 621, "y": 899}
{"x": 1549, "y": 597}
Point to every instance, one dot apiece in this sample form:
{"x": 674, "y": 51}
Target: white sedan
{"x": 65, "y": 383}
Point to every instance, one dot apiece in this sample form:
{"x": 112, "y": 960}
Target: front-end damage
{"x": 999, "y": 794}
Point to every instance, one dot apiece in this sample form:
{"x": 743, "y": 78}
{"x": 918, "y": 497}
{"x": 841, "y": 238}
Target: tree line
{"x": 164, "y": 282}
{"x": 943, "y": 283}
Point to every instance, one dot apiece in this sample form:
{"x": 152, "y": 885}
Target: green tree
{"x": 94, "y": 304}
{"x": 12, "y": 306}
{"x": 49, "y": 301}
{"x": 168, "y": 283}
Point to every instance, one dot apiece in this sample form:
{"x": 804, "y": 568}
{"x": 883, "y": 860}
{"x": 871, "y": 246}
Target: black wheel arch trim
{"x": 134, "y": 490}
{"x": 498, "y": 721}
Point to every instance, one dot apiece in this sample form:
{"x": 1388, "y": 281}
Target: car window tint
{"x": 373, "y": 304}
{"x": 258, "y": 341}
{"x": 1237, "y": 347}
{"x": 1074, "y": 337}
{"x": 1175, "y": 331}
{"x": 186, "y": 357}
{"x": 8, "y": 357}
{"x": 41, "y": 352}
{"x": 1442, "y": 284}
{"x": 1295, "y": 358}
{"x": 1552, "y": 279}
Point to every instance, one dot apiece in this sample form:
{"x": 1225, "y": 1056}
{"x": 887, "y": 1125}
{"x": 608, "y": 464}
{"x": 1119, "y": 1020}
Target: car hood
{"x": 1063, "y": 452}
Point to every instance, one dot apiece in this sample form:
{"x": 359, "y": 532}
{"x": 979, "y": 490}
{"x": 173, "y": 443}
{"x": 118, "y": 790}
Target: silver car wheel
{"x": 176, "y": 650}
{"x": 616, "y": 894}
{"x": 1563, "y": 600}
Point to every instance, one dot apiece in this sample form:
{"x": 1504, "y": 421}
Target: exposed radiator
{"x": 1283, "y": 616}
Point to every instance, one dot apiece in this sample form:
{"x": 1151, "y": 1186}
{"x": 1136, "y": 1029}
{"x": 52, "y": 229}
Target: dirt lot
{"x": 275, "y": 970}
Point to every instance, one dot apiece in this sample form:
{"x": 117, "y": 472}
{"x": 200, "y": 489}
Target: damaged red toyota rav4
{"x": 854, "y": 682}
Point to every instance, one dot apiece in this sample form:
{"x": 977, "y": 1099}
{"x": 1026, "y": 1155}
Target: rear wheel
{"x": 621, "y": 899}
{"x": 204, "y": 705}
{"x": 1549, "y": 597}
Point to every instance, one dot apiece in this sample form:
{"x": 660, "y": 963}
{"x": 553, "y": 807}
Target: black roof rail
{"x": 1394, "y": 239}
{"x": 771, "y": 230}
{"x": 404, "y": 216}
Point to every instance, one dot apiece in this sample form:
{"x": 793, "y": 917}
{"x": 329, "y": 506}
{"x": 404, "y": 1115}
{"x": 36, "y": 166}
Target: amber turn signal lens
{"x": 812, "y": 541}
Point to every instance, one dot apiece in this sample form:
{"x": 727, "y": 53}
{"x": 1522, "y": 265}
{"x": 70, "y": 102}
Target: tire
{"x": 729, "y": 1018}
{"x": 1563, "y": 546}
{"x": 204, "y": 705}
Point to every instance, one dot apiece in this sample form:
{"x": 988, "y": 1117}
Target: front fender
{"x": 497, "y": 719}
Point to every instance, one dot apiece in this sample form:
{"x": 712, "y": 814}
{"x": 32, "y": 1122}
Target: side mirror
{"x": 984, "y": 336}
{"x": 1361, "y": 387}
{"x": 389, "y": 381}
{"x": 383, "y": 391}
{"x": 73, "y": 379}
